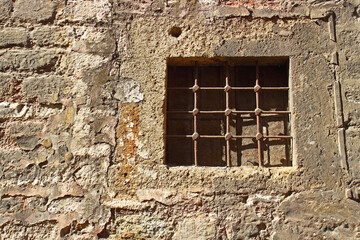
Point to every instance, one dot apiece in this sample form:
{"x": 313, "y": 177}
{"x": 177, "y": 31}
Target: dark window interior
{"x": 212, "y": 151}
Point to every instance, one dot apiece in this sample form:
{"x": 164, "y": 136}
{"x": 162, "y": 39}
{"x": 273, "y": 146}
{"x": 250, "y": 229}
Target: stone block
{"x": 32, "y": 60}
{"x": 27, "y": 134}
{"x": 227, "y": 11}
{"x": 105, "y": 130}
{"x": 6, "y": 7}
{"x": 352, "y": 150}
{"x": 300, "y": 11}
{"x": 50, "y": 36}
{"x": 25, "y": 128}
{"x": 201, "y": 227}
{"x": 163, "y": 196}
{"x": 282, "y": 31}
{"x": 316, "y": 13}
{"x": 207, "y": 2}
{"x": 47, "y": 90}
{"x": 125, "y": 204}
{"x": 95, "y": 41}
{"x": 13, "y": 37}
{"x": 10, "y": 87}
{"x": 11, "y": 204}
{"x": 27, "y": 143}
{"x": 265, "y": 13}
{"x": 5, "y": 85}
{"x": 87, "y": 11}
{"x": 34, "y": 10}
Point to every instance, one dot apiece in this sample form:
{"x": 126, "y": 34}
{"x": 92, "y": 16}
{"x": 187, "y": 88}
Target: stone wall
{"x": 82, "y": 103}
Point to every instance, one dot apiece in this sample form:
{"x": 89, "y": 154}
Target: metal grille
{"x": 227, "y": 112}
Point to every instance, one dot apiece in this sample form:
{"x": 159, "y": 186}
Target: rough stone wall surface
{"x": 82, "y": 98}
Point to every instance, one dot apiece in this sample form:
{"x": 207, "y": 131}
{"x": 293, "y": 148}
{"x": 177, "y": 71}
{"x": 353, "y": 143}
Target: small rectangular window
{"x": 229, "y": 113}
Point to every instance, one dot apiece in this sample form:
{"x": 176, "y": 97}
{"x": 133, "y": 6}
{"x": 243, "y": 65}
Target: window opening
{"x": 228, "y": 115}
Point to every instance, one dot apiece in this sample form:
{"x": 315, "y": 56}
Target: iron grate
{"x": 227, "y": 112}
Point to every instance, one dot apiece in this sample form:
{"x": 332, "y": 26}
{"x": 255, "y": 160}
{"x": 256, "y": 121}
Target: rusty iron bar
{"x": 223, "y": 136}
{"x": 212, "y": 136}
{"x": 211, "y": 88}
{"x": 191, "y": 136}
{"x": 227, "y": 88}
{"x": 223, "y": 112}
{"x": 212, "y": 112}
{"x": 232, "y": 88}
{"x": 258, "y": 135}
{"x": 195, "y": 89}
{"x": 275, "y": 88}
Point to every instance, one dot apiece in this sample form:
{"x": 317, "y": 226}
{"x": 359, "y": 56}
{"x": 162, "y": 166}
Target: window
{"x": 233, "y": 112}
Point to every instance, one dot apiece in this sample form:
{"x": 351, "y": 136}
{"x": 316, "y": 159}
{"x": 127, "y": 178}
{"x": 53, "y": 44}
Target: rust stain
{"x": 126, "y": 134}
{"x": 127, "y": 131}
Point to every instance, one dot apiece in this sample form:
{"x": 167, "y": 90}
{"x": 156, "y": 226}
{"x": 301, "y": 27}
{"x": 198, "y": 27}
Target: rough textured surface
{"x": 82, "y": 101}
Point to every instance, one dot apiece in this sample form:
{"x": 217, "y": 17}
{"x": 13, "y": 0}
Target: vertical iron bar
{"x": 195, "y": 116}
{"x": 227, "y": 116}
{"x": 258, "y": 117}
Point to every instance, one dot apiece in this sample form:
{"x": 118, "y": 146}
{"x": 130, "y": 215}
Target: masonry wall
{"x": 82, "y": 108}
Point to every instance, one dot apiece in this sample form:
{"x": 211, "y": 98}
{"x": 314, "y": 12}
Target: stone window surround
{"x": 309, "y": 81}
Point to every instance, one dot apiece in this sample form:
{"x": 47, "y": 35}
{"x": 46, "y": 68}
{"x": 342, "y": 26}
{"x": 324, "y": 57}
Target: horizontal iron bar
{"x": 211, "y": 88}
{"x": 275, "y": 88}
{"x": 233, "y": 88}
{"x": 234, "y": 111}
{"x": 203, "y": 112}
{"x": 212, "y": 112}
{"x": 243, "y": 88}
{"x": 234, "y": 136}
{"x": 212, "y": 136}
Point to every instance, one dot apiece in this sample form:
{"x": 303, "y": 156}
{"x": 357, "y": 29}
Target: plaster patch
{"x": 128, "y": 92}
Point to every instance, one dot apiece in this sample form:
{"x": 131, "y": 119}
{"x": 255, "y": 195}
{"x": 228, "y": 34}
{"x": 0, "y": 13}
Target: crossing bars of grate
{"x": 227, "y": 112}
